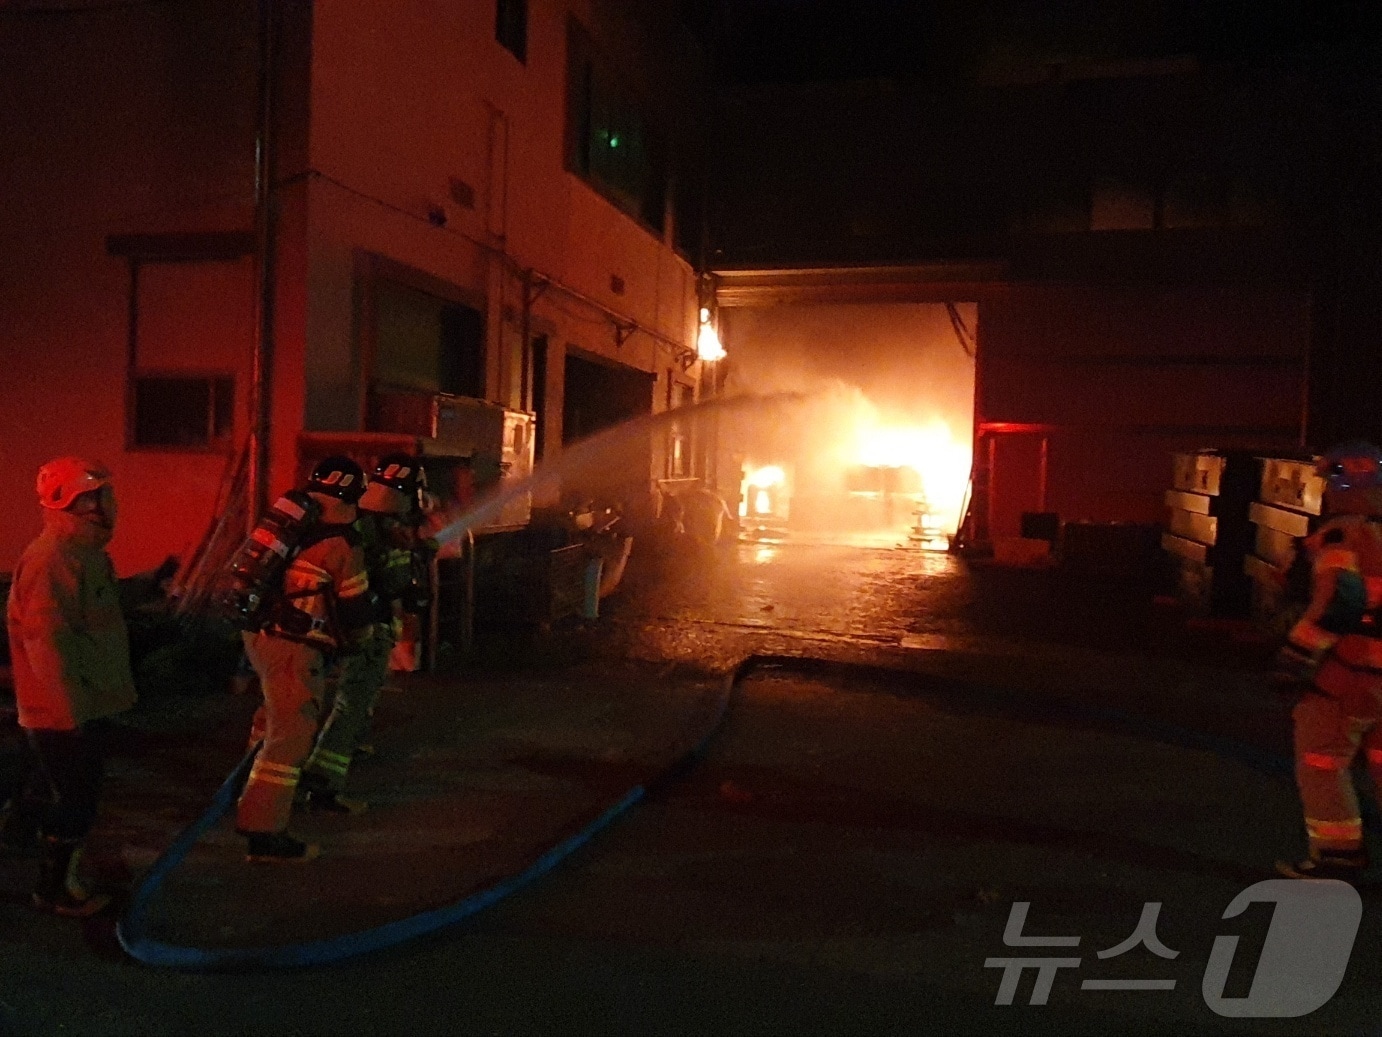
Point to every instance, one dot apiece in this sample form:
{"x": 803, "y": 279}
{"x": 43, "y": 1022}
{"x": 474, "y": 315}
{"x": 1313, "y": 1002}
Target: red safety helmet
{"x": 64, "y": 479}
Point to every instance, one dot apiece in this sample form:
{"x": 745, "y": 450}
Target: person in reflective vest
{"x": 397, "y": 561}
{"x": 323, "y": 609}
{"x": 1335, "y": 651}
{"x": 69, "y": 649}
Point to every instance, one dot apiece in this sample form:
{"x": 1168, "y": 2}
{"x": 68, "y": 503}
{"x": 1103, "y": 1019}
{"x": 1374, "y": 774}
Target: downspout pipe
{"x": 266, "y": 221}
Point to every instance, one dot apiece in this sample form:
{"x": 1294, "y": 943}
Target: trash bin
{"x": 1041, "y": 525}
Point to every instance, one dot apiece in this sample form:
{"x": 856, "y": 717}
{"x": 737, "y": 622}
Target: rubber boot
{"x": 60, "y": 889}
{"x": 19, "y": 833}
{"x": 316, "y": 794}
{"x": 277, "y": 848}
{"x": 1343, "y": 865}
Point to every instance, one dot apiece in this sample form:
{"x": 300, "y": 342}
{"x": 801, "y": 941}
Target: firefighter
{"x": 69, "y": 649}
{"x": 323, "y": 607}
{"x": 396, "y": 558}
{"x": 1335, "y": 650}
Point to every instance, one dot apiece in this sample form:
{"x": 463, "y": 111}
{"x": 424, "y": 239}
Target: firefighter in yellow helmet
{"x": 70, "y": 654}
{"x": 397, "y": 560}
{"x": 1336, "y": 649}
{"x": 323, "y": 606}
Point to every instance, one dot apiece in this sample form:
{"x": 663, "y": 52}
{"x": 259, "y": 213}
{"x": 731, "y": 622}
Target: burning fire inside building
{"x": 883, "y": 482}
{"x": 880, "y": 452}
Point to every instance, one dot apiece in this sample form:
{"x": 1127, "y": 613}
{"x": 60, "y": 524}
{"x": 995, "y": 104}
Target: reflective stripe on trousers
{"x": 292, "y": 678}
{"x": 1326, "y": 741}
{"x": 362, "y": 675}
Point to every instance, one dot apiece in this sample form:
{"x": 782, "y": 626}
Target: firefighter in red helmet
{"x": 70, "y": 653}
{"x": 397, "y": 560}
{"x": 321, "y": 608}
{"x": 1336, "y": 651}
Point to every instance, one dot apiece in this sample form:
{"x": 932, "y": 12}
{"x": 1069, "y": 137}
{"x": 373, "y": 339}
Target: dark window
{"x": 511, "y": 27}
{"x": 461, "y": 365}
{"x": 610, "y": 143}
{"x": 599, "y": 395}
{"x": 679, "y": 452}
{"x": 183, "y": 410}
{"x": 427, "y": 344}
{"x": 540, "y": 394}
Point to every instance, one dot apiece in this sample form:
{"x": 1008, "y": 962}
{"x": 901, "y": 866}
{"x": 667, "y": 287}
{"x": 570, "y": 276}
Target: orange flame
{"x": 932, "y": 452}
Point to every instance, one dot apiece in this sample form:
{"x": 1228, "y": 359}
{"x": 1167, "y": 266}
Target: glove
{"x": 1295, "y": 665}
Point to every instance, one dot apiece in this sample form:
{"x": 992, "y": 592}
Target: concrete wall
{"x": 413, "y": 98}
{"x": 140, "y": 119}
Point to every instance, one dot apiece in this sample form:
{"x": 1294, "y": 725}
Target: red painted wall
{"x": 1127, "y": 376}
{"x": 116, "y": 121}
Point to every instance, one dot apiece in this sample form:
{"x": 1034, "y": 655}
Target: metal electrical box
{"x": 477, "y": 450}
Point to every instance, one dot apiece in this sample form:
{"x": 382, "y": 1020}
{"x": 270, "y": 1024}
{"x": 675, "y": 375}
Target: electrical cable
{"x": 962, "y": 332}
{"x": 616, "y": 320}
{"x": 133, "y": 937}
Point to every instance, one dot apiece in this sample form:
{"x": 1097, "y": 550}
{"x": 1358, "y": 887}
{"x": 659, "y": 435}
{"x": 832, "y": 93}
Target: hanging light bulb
{"x": 708, "y": 342}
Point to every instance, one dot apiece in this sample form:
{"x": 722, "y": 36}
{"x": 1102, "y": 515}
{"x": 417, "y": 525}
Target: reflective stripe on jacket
{"x": 390, "y": 564}
{"x": 1348, "y": 554}
{"x": 327, "y": 573}
{"x": 1346, "y": 575}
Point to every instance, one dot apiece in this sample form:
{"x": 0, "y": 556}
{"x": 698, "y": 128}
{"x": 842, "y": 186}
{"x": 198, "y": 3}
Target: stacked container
{"x": 1290, "y": 499}
{"x": 1208, "y": 533}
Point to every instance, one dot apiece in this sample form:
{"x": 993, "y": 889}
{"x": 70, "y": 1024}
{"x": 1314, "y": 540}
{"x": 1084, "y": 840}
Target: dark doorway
{"x": 424, "y": 343}
{"x": 461, "y": 364}
{"x": 600, "y": 395}
{"x": 540, "y": 395}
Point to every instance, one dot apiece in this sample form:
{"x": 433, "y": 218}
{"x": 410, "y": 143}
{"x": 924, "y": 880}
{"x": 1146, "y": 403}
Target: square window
{"x": 183, "y": 411}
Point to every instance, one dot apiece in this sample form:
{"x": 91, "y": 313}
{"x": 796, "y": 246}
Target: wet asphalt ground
{"x": 921, "y": 744}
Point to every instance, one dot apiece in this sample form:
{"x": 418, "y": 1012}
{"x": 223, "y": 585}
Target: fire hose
{"x": 132, "y": 927}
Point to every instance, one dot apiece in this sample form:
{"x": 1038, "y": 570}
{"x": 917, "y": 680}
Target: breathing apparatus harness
{"x": 1353, "y": 474}
{"x": 252, "y": 597}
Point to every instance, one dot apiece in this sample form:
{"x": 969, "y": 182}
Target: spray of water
{"x": 599, "y": 457}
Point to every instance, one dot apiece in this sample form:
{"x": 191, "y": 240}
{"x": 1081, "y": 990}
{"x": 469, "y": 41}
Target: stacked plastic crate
{"x": 1208, "y": 534}
{"x": 1288, "y": 507}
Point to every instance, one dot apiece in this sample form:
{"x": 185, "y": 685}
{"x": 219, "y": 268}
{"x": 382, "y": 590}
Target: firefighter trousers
{"x": 361, "y": 678}
{"x": 1327, "y": 739}
{"x": 292, "y": 677}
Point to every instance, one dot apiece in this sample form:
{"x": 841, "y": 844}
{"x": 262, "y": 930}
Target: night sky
{"x": 810, "y": 40}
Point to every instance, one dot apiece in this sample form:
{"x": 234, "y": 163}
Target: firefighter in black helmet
{"x": 398, "y": 561}
{"x": 323, "y": 606}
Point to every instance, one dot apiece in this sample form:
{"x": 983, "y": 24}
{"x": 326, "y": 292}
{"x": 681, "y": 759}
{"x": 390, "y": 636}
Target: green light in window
{"x": 613, "y": 141}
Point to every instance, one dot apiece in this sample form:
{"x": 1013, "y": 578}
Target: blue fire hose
{"x": 131, "y": 929}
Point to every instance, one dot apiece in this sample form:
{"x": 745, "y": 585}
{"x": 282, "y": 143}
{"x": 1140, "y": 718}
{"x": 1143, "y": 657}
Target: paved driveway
{"x": 923, "y": 746}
